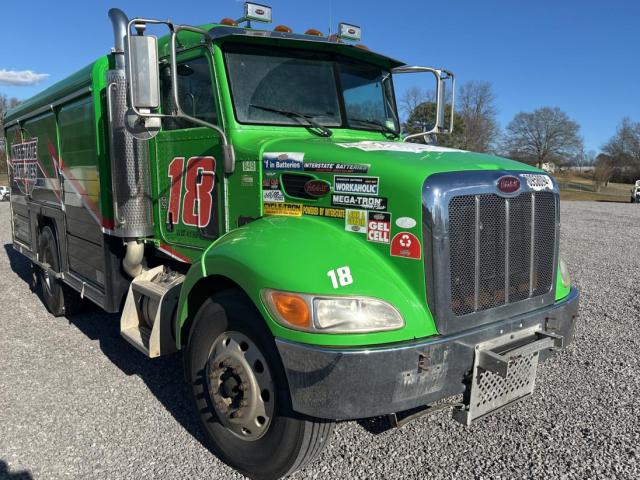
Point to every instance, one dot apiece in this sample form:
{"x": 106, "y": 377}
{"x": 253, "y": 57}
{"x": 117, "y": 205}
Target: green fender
{"x": 295, "y": 254}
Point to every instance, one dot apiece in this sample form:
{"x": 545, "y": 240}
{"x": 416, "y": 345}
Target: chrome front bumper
{"x": 350, "y": 383}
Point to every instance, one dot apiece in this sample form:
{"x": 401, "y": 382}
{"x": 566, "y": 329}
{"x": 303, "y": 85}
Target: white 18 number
{"x": 340, "y": 277}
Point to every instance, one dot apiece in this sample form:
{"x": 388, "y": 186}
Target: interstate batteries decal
{"x": 282, "y": 160}
{"x": 322, "y": 167}
{"x": 357, "y": 201}
{"x": 357, "y": 185}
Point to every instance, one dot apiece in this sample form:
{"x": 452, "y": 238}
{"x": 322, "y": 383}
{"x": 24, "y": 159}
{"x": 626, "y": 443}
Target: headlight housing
{"x": 565, "y": 277}
{"x": 331, "y": 314}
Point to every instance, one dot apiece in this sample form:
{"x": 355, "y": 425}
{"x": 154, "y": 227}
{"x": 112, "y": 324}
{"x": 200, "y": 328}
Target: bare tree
{"x": 414, "y": 97}
{"x": 476, "y": 106}
{"x": 5, "y": 104}
{"x": 623, "y": 149}
{"x": 544, "y": 135}
{"x": 603, "y": 171}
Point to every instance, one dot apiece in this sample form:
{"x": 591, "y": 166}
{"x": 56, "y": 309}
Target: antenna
{"x": 330, "y": 15}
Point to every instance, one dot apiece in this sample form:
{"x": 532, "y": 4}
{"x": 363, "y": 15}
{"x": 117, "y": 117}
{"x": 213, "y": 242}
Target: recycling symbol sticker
{"x": 407, "y": 245}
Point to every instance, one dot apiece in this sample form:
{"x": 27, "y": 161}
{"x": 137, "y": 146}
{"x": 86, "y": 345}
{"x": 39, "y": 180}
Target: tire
{"x": 60, "y": 299}
{"x": 285, "y": 441}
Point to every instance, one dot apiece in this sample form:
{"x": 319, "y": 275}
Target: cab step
{"x": 148, "y": 315}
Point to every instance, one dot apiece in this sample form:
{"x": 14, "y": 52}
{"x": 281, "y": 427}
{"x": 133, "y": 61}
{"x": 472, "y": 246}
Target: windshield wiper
{"x": 376, "y": 123}
{"x": 322, "y": 130}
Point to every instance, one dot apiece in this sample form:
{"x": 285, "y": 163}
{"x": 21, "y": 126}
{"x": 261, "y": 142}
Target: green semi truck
{"x": 246, "y": 196}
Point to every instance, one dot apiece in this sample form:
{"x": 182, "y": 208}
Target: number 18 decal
{"x": 340, "y": 277}
{"x": 199, "y": 183}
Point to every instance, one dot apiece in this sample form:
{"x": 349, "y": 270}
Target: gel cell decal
{"x": 379, "y": 227}
{"x": 407, "y": 245}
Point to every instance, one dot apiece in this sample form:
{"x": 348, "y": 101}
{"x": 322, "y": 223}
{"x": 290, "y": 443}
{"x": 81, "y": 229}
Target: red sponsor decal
{"x": 317, "y": 188}
{"x": 379, "y": 227}
{"x": 407, "y": 245}
{"x": 508, "y": 184}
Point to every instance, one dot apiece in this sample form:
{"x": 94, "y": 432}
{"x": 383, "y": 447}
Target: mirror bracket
{"x": 146, "y": 113}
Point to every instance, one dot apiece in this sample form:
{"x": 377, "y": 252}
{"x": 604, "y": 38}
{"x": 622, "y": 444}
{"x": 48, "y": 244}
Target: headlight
{"x": 327, "y": 314}
{"x": 564, "y": 274}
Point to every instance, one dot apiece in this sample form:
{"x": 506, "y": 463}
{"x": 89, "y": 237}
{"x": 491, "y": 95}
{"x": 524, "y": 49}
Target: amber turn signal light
{"x": 292, "y": 308}
{"x": 229, "y": 21}
{"x": 283, "y": 28}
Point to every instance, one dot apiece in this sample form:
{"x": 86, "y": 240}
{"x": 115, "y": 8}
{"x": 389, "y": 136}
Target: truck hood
{"x": 405, "y": 163}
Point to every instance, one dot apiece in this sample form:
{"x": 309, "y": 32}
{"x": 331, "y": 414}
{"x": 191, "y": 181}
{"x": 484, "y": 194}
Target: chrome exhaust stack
{"x": 130, "y": 174}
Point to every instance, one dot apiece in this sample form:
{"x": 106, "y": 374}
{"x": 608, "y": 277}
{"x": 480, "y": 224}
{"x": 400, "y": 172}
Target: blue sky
{"x": 580, "y": 55}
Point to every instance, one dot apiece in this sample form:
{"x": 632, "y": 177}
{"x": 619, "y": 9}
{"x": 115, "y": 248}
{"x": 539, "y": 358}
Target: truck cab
{"x": 247, "y": 196}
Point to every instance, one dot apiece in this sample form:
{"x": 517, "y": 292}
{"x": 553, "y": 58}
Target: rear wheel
{"x": 241, "y": 393}
{"x": 59, "y": 298}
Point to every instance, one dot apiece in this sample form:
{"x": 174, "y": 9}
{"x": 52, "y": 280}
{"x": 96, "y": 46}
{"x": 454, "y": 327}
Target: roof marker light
{"x": 282, "y": 28}
{"x": 363, "y": 47}
{"x": 314, "y": 32}
{"x": 349, "y": 32}
{"x": 229, "y": 21}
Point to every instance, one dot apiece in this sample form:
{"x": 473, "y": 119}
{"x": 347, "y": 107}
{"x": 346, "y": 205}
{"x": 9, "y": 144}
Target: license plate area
{"x": 500, "y": 378}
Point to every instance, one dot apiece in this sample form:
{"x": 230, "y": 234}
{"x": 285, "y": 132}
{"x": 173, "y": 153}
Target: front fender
{"x": 295, "y": 254}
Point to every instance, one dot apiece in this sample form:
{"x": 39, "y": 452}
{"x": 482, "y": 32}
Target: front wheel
{"x": 241, "y": 393}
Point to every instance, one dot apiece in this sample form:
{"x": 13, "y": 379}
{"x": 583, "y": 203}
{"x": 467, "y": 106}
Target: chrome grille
{"x": 501, "y": 250}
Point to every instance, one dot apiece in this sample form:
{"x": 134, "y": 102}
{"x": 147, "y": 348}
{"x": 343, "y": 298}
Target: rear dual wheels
{"x": 60, "y": 299}
{"x": 241, "y": 393}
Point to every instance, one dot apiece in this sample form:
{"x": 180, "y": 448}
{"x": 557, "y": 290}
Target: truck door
{"x": 189, "y": 157}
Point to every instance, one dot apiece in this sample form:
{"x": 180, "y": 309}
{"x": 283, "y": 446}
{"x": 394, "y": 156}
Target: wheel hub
{"x": 240, "y": 385}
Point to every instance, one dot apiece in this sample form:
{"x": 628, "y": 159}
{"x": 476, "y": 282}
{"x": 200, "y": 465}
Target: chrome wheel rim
{"x": 240, "y": 386}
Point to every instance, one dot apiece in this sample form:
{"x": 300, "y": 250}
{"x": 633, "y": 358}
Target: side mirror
{"x": 441, "y": 77}
{"x": 145, "y": 72}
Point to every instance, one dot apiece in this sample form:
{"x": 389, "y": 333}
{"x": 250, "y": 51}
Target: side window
{"x": 195, "y": 91}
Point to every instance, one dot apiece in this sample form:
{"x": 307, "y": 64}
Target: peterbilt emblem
{"x": 351, "y": 31}
{"x": 317, "y": 188}
{"x": 508, "y": 184}
{"x": 259, "y": 11}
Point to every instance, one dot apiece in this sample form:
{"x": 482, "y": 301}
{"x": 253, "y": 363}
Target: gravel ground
{"x": 77, "y": 402}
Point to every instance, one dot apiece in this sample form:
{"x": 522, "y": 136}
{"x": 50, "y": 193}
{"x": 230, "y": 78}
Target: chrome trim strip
{"x": 49, "y": 106}
{"x": 532, "y": 241}
{"x": 507, "y": 239}
{"x": 476, "y": 287}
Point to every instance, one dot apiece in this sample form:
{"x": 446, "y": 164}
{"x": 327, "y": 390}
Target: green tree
{"x": 423, "y": 118}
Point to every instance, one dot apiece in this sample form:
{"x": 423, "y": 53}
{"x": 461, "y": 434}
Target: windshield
{"x": 279, "y": 86}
